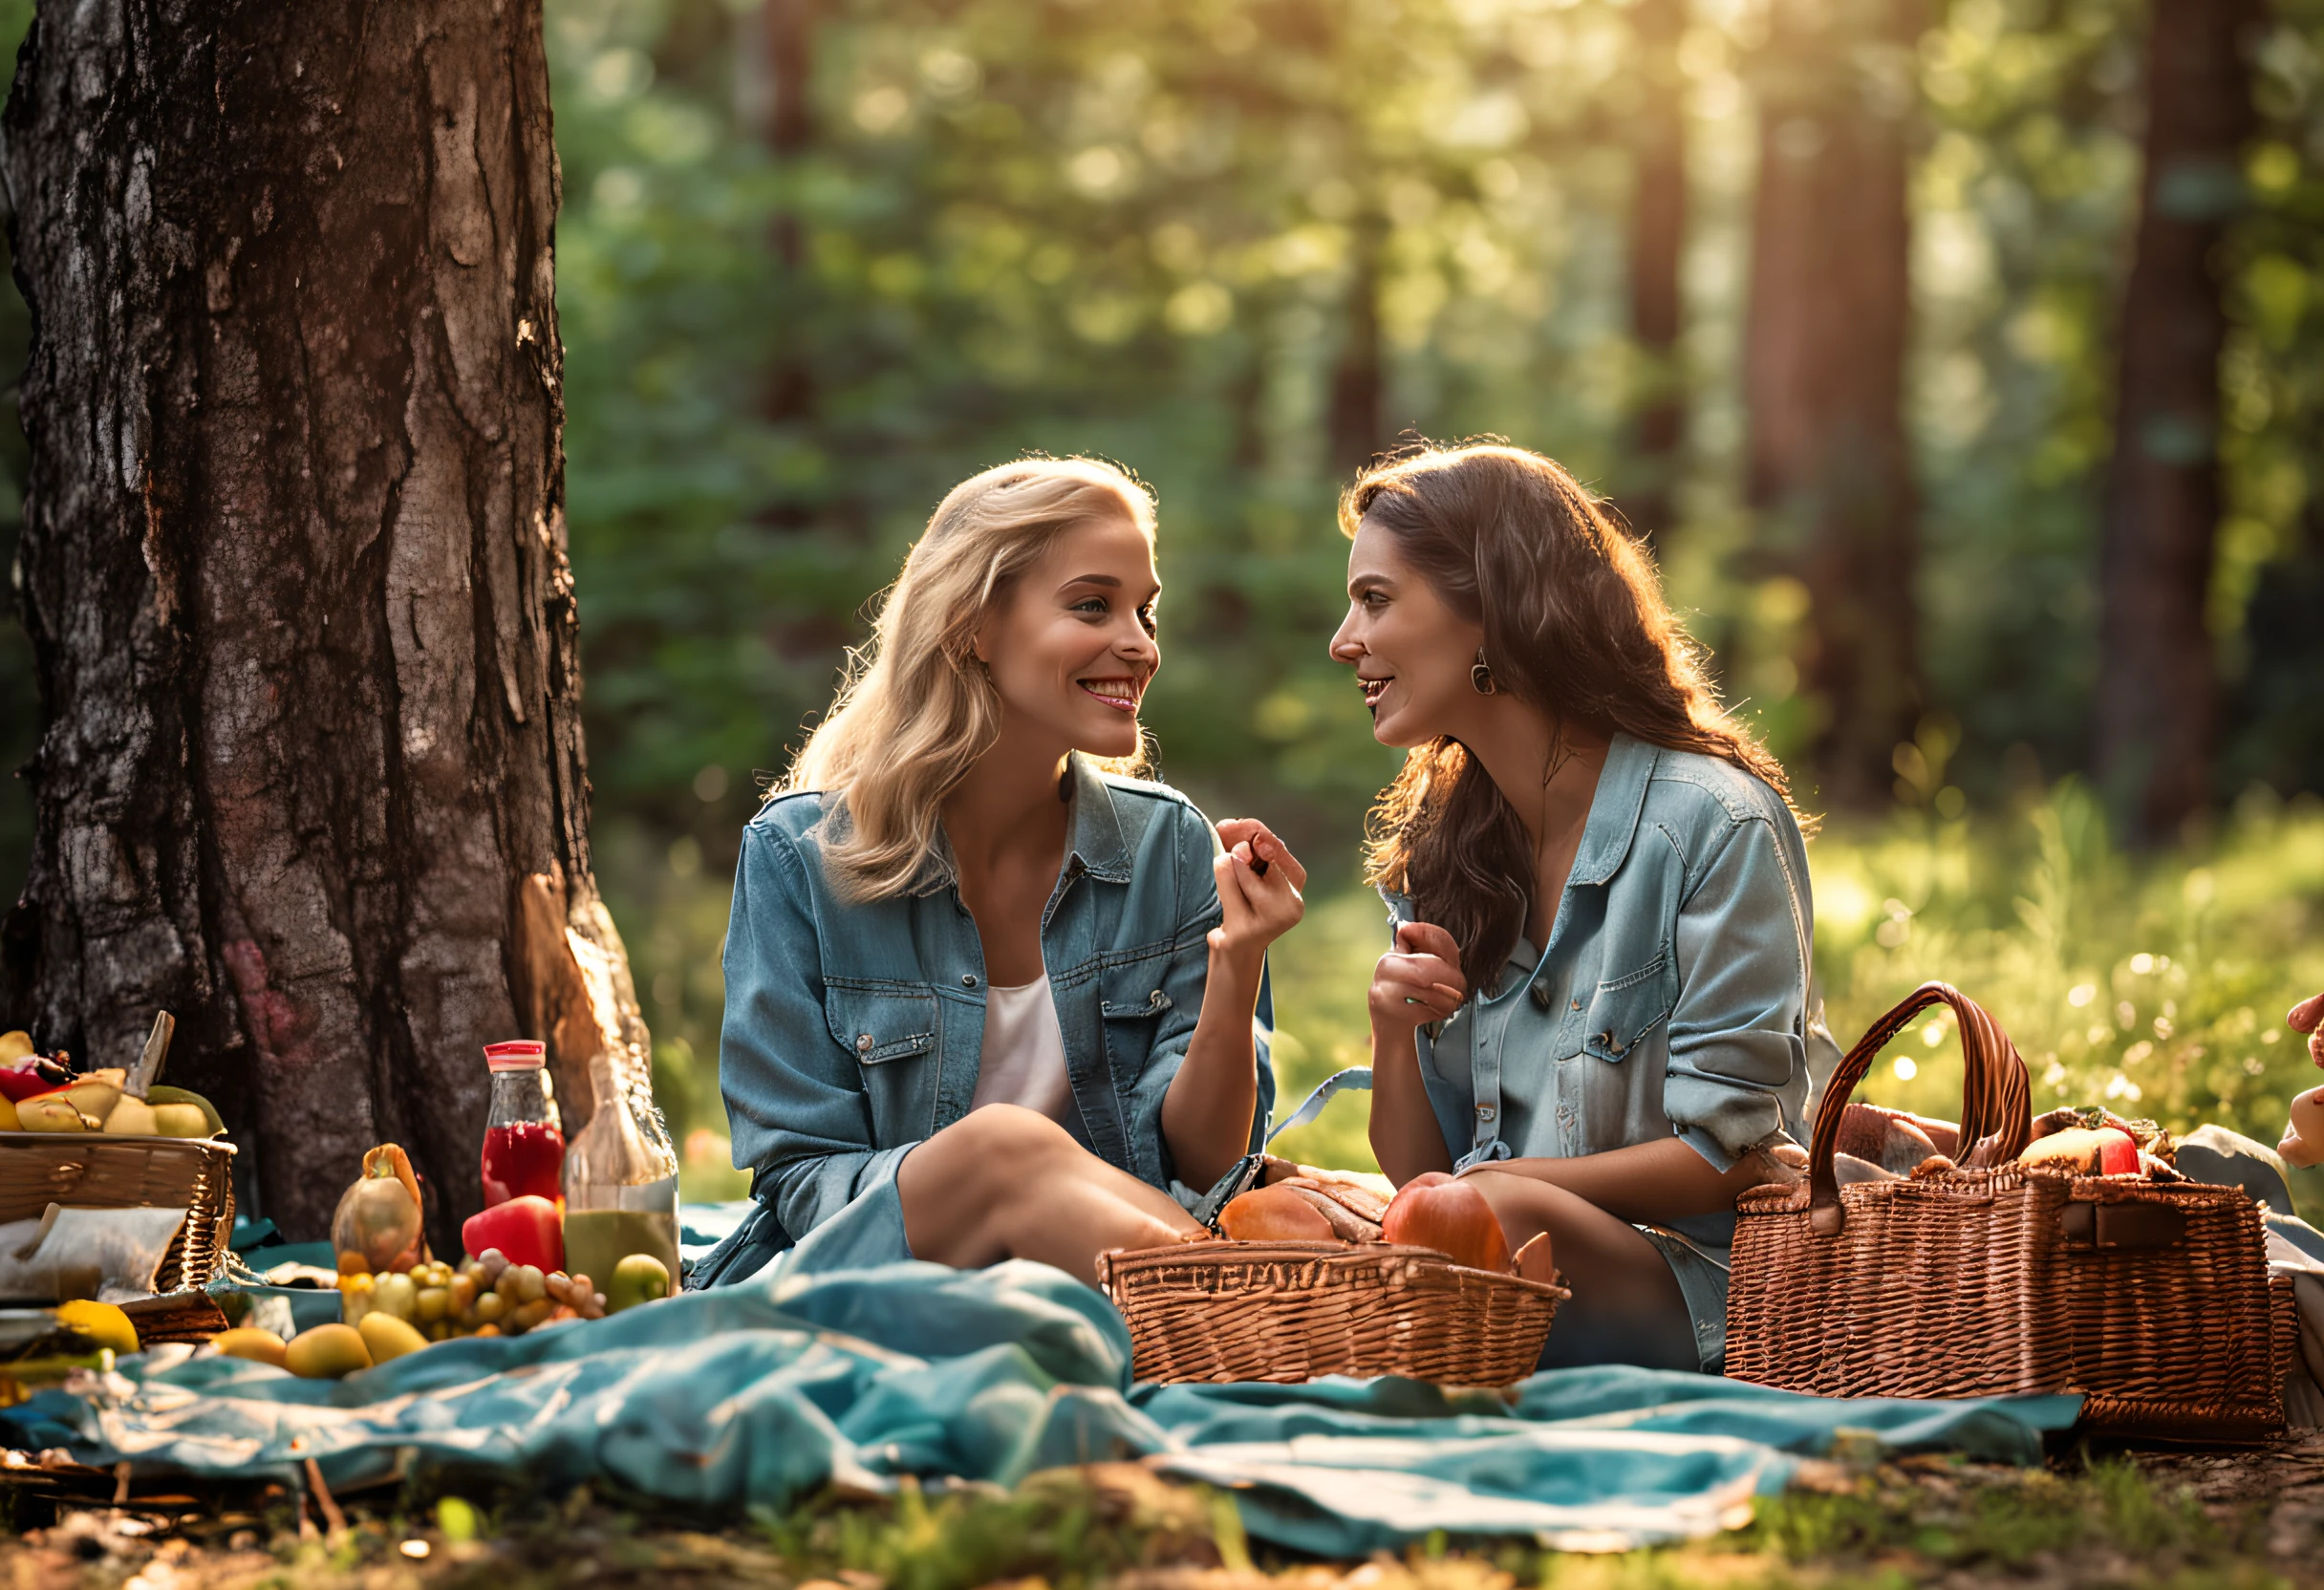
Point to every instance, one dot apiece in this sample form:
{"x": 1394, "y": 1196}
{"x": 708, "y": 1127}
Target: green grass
{"x": 1870, "y": 1526}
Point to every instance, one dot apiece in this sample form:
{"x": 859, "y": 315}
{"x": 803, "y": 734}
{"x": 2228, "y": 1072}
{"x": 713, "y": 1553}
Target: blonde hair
{"x": 917, "y": 709}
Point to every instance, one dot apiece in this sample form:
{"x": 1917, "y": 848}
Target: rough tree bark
{"x": 1824, "y": 374}
{"x": 310, "y": 773}
{"x": 1657, "y": 236}
{"x": 2158, "y": 689}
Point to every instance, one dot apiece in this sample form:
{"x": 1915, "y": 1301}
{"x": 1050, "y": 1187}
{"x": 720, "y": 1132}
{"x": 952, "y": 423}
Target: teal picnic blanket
{"x": 760, "y": 1393}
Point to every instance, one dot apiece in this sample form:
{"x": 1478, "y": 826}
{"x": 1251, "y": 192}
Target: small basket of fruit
{"x": 1318, "y": 1273}
{"x": 113, "y": 1139}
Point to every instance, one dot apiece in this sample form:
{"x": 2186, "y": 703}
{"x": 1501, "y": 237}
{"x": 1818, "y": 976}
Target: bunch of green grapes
{"x": 486, "y": 1295}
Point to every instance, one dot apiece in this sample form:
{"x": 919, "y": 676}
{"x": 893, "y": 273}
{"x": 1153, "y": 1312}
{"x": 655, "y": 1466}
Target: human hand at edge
{"x": 1419, "y": 981}
{"x": 2307, "y": 1017}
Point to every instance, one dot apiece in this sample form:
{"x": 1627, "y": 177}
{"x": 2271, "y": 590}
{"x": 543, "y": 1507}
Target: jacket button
{"x": 1484, "y": 1112}
{"x": 968, "y": 979}
{"x": 862, "y": 1042}
{"x": 1577, "y": 1004}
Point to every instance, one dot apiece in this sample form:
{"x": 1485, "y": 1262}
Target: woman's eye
{"x": 1091, "y": 604}
{"x": 1145, "y": 617}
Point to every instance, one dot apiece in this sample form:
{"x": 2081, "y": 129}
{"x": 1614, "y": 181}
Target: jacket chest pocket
{"x": 1625, "y": 1011}
{"x": 878, "y": 1025}
{"x": 1131, "y": 1005}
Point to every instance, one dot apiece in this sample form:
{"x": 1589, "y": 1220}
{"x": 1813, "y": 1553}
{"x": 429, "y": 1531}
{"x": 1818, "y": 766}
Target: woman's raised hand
{"x": 1259, "y": 888}
{"x": 1419, "y": 981}
{"x": 2307, "y": 1017}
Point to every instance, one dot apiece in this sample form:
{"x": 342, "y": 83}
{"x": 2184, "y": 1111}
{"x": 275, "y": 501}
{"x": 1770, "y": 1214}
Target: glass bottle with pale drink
{"x": 620, "y": 1184}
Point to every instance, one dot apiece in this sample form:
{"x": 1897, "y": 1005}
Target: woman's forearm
{"x": 1663, "y": 1180}
{"x": 1404, "y": 1135}
{"x": 1206, "y": 1115}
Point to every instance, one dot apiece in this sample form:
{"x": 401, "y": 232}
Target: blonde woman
{"x": 989, "y": 996}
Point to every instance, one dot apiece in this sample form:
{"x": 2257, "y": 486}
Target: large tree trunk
{"x": 1658, "y": 237}
{"x": 775, "y": 61}
{"x": 1352, "y": 423}
{"x": 294, "y": 566}
{"x": 2158, "y": 691}
{"x": 1824, "y": 374}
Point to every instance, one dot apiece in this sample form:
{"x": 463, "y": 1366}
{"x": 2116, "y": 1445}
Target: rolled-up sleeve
{"x": 1738, "y": 1060}
{"x": 1183, "y": 982}
{"x": 794, "y": 1098}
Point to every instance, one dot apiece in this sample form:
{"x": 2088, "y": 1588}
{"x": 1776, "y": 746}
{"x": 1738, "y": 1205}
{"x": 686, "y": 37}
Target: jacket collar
{"x": 1613, "y": 820}
{"x": 1096, "y": 834}
{"x": 1094, "y": 842}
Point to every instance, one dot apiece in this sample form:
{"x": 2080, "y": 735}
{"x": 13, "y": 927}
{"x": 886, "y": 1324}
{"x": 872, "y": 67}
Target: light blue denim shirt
{"x": 853, "y": 1030}
{"x": 1672, "y": 997}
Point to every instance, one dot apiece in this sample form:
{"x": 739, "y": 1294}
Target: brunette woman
{"x": 988, "y": 995}
{"x": 1597, "y": 1004}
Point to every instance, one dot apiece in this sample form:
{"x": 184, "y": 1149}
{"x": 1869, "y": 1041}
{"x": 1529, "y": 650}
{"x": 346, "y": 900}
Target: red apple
{"x": 1435, "y": 1211}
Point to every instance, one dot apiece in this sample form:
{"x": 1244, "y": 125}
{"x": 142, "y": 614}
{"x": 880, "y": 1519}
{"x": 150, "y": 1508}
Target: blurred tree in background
{"x": 1830, "y": 295}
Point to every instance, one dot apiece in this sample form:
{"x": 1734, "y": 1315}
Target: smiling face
{"x": 1410, "y": 652}
{"x": 1071, "y": 647}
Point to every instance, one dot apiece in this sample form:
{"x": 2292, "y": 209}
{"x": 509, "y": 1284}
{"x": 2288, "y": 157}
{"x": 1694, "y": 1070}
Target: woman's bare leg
{"x": 1627, "y": 1306}
{"x": 1006, "y": 1182}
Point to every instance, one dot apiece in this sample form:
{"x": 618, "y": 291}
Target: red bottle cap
{"x": 518, "y": 1054}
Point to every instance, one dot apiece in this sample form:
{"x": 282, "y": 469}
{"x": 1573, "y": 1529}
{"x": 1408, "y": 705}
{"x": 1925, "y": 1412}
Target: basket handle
{"x": 1996, "y": 1099}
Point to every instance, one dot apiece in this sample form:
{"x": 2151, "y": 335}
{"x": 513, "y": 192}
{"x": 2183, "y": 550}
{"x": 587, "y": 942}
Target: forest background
{"x": 818, "y": 259}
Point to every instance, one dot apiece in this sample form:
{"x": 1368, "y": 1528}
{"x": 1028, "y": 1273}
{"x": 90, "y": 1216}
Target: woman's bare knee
{"x": 996, "y": 1146}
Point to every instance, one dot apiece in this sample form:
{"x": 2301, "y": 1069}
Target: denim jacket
{"x": 853, "y": 1030}
{"x": 1672, "y": 999}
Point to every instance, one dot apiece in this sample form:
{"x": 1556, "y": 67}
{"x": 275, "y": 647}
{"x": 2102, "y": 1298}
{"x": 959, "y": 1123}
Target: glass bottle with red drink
{"x": 524, "y": 1139}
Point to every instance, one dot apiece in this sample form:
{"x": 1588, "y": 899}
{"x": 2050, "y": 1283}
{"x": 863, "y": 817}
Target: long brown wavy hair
{"x": 1574, "y": 625}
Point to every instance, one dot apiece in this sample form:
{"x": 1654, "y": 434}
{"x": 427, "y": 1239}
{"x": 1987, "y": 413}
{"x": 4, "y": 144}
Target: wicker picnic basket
{"x": 2152, "y": 1299}
{"x": 112, "y": 1170}
{"x": 1294, "y": 1311}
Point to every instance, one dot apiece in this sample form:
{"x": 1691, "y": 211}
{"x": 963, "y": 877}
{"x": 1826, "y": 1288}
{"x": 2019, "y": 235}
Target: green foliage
{"x": 2158, "y": 987}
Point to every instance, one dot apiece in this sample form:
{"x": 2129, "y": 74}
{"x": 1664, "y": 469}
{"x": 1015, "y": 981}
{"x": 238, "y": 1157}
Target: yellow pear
{"x": 49, "y": 1112}
{"x": 15, "y": 1045}
{"x": 250, "y": 1342}
{"x": 94, "y": 1096}
{"x": 387, "y": 1336}
{"x": 326, "y": 1352}
{"x": 132, "y": 1117}
{"x": 181, "y": 1121}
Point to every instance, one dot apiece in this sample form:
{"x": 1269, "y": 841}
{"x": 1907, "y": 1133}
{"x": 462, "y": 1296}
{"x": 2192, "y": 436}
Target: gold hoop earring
{"x": 1480, "y": 676}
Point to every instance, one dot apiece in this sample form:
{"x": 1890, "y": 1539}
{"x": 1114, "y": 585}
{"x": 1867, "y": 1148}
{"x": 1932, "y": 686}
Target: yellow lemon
{"x": 100, "y": 1323}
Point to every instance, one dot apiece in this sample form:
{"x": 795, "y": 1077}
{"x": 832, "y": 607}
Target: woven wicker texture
{"x": 2153, "y": 1299}
{"x": 103, "y": 1170}
{"x": 1292, "y": 1311}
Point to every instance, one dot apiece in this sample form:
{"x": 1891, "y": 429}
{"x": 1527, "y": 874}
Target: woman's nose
{"x": 1344, "y": 648}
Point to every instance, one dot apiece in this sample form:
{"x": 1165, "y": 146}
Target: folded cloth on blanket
{"x": 760, "y": 1392}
